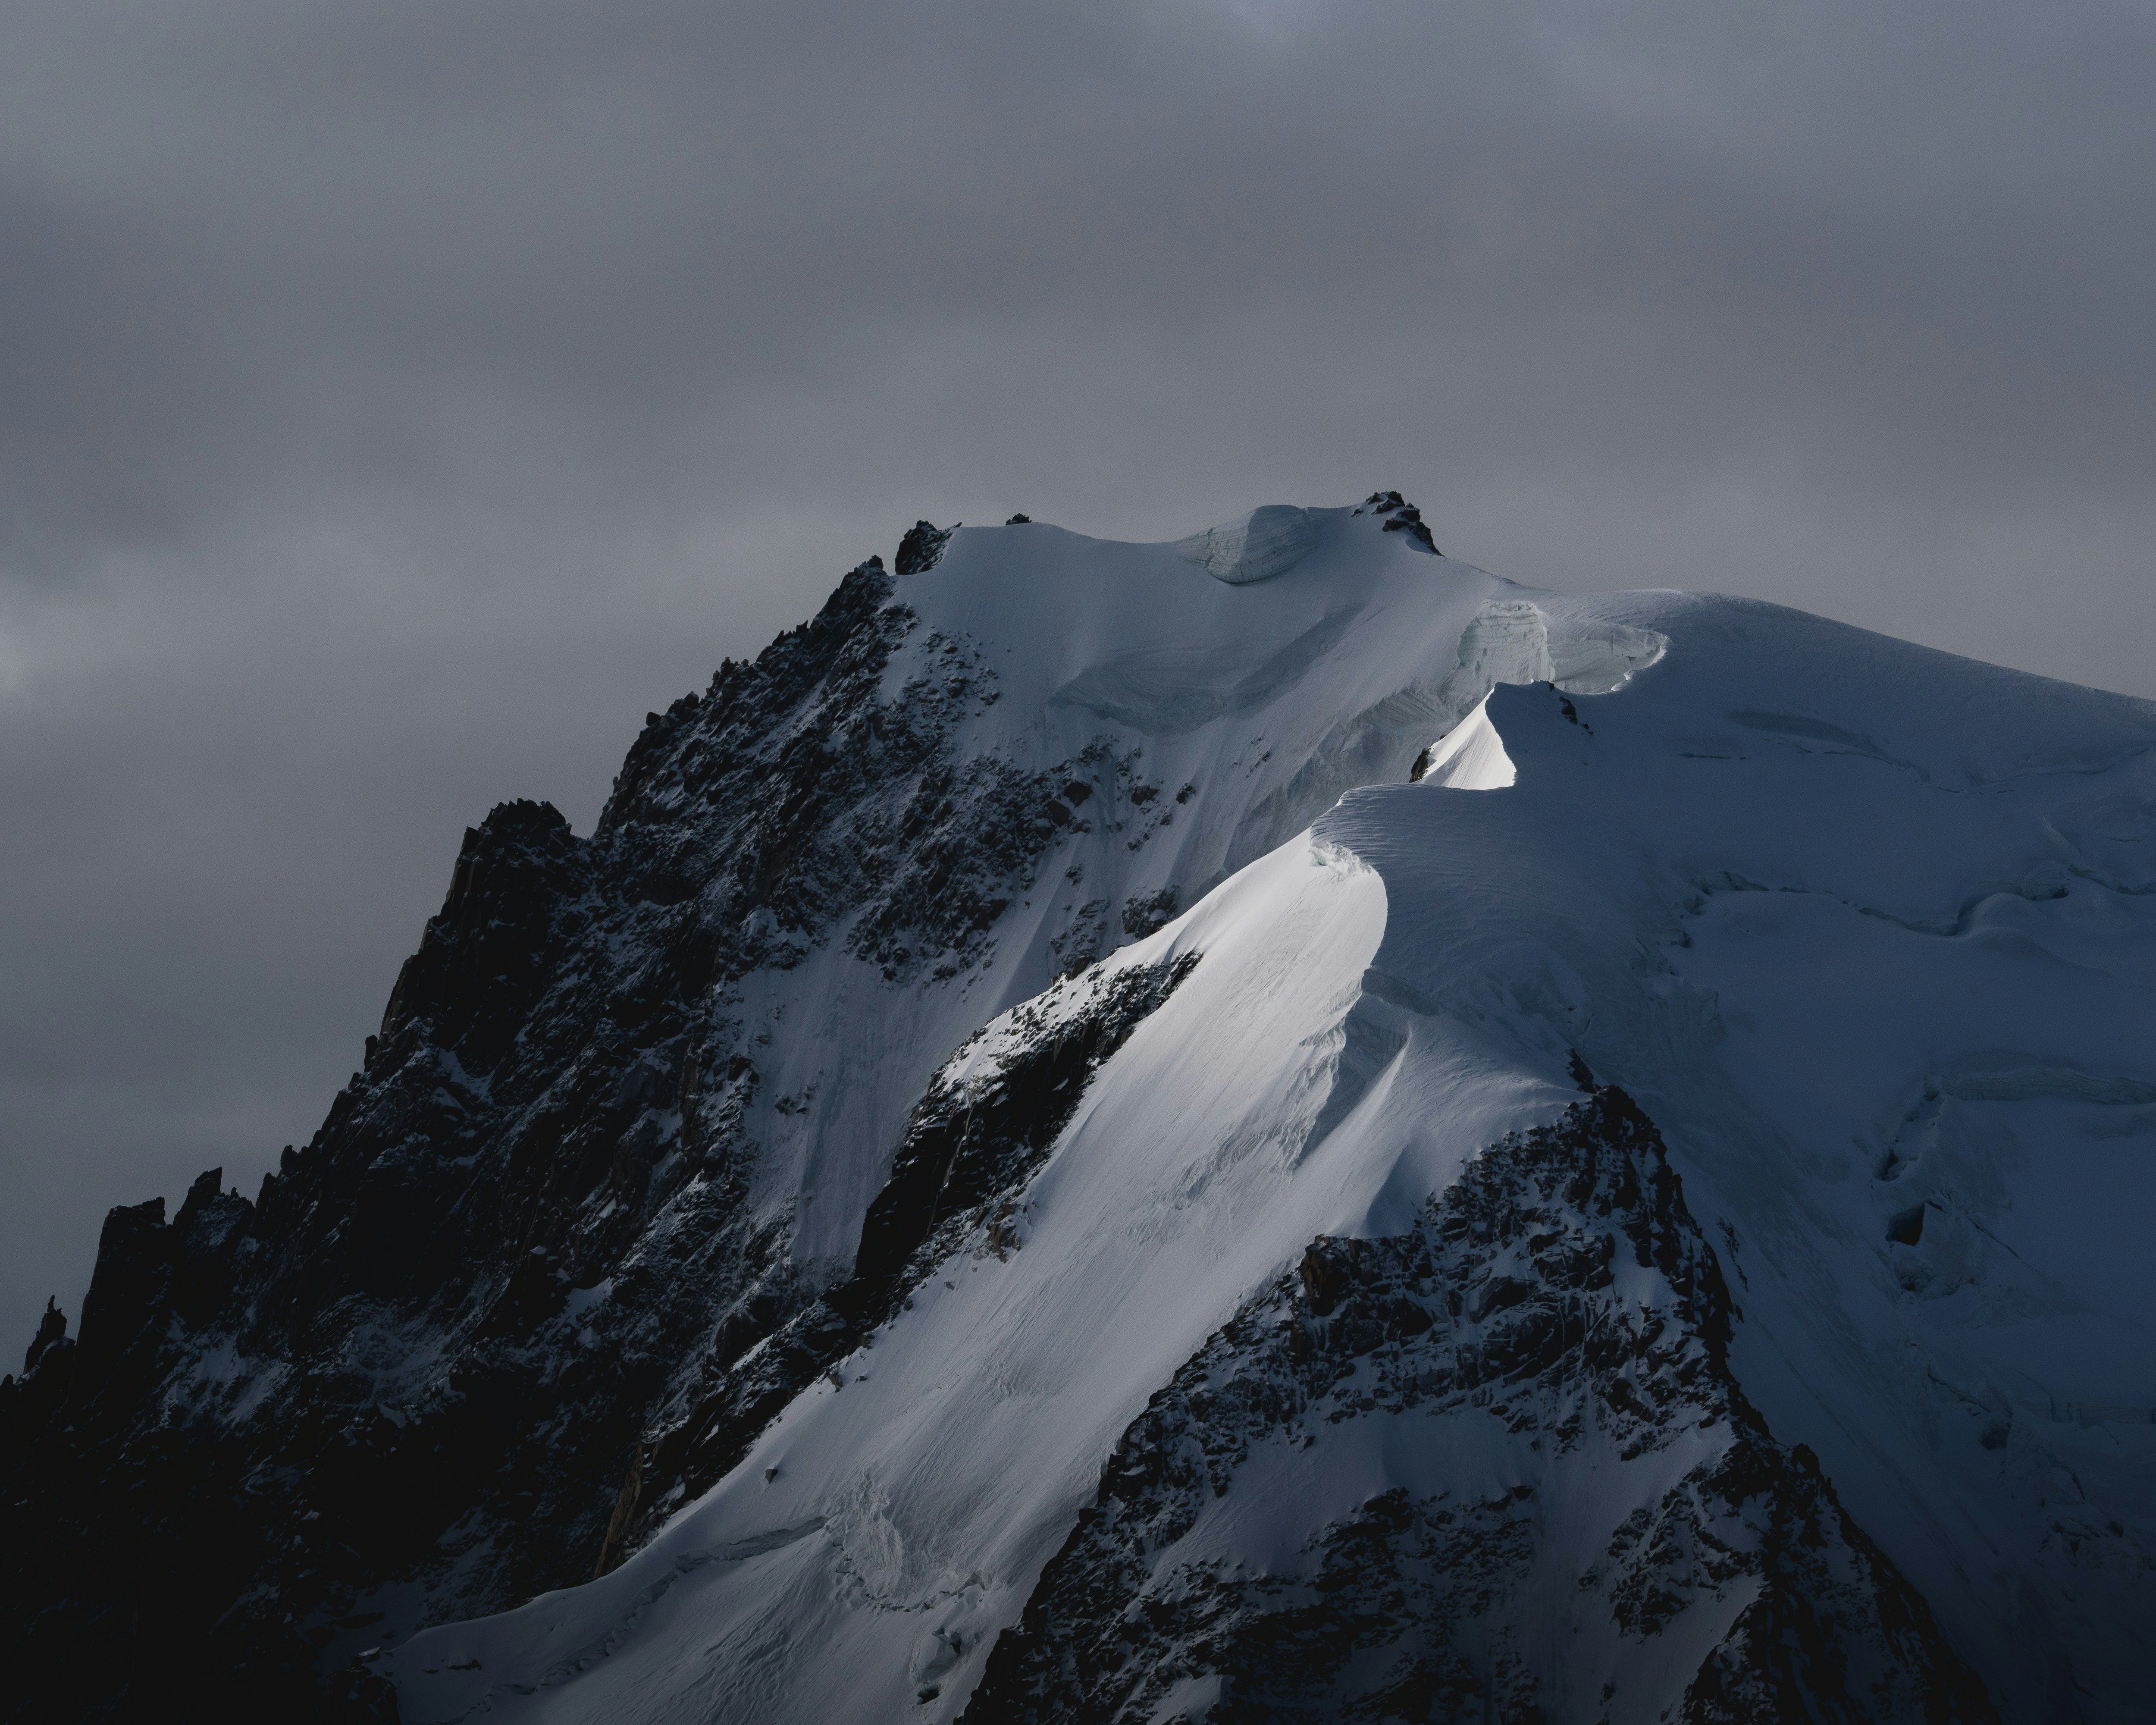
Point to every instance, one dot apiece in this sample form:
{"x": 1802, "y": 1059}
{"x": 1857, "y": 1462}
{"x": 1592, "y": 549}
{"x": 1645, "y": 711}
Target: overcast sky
{"x": 399, "y": 398}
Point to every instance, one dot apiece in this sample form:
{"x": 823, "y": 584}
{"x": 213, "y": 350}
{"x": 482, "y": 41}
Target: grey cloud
{"x": 397, "y": 399}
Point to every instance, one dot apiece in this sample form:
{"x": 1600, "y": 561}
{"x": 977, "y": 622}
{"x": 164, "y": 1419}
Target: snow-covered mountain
{"x": 1268, "y": 1127}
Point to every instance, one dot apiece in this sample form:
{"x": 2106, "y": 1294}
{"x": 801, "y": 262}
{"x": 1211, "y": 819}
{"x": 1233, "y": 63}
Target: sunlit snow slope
{"x": 1864, "y": 935}
{"x": 1203, "y": 718}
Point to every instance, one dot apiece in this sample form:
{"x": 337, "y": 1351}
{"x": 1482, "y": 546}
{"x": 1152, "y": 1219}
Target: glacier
{"x": 1293, "y": 1130}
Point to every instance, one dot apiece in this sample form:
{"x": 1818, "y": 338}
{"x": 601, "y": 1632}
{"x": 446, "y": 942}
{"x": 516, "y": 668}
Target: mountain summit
{"x": 1267, "y": 1127}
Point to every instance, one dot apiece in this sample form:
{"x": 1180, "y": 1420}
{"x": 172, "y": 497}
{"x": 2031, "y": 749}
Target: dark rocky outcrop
{"x": 1560, "y": 1294}
{"x": 1399, "y": 517}
{"x": 406, "y": 1381}
{"x": 1152, "y": 910}
{"x": 48, "y": 1370}
{"x": 922, "y": 547}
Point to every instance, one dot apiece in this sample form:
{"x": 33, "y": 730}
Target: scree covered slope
{"x": 1273, "y": 1128}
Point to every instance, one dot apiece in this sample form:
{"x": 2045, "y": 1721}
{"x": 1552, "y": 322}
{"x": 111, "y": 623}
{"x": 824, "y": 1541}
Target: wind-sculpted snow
{"x": 1470, "y": 757}
{"x": 759, "y": 1223}
{"x": 1266, "y": 542}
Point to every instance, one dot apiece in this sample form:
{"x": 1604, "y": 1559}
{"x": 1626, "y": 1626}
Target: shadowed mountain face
{"x": 1033, "y": 1165}
{"x": 405, "y": 1379}
{"x": 1562, "y": 1291}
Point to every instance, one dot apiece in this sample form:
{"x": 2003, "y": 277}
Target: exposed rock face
{"x": 1399, "y": 517}
{"x": 1559, "y": 1312}
{"x": 1143, "y": 915}
{"x": 405, "y": 1382}
{"x": 52, "y": 1330}
{"x": 922, "y": 547}
{"x": 48, "y": 1370}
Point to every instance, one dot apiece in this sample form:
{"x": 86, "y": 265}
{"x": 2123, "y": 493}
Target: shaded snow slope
{"x": 1866, "y": 933}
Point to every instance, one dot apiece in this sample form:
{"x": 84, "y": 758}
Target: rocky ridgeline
{"x": 1561, "y": 1295}
{"x": 385, "y": 1391}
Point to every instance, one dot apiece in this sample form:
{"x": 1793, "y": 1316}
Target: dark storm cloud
{"x": 398, "y": 400}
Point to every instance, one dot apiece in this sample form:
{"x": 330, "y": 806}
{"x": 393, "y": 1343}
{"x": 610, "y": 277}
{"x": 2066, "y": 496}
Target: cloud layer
{"x": 398, "y": 400}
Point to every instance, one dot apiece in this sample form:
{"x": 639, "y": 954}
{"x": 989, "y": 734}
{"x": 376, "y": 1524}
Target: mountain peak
{"x": 1270, "y": 1122}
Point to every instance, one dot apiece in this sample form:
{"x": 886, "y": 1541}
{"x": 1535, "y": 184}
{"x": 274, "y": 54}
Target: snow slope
{"x": 1866, "y": 930}
{"x": 1240, "y": 708}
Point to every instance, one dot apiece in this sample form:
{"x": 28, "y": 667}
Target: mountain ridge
{"x": 584, "y": 1240}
